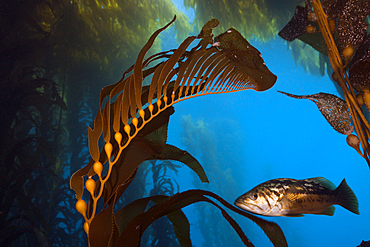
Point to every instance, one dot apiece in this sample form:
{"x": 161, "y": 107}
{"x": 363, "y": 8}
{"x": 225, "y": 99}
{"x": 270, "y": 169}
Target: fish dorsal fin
{"x": 322, "y": 182}
{"x": 347, "y": 198}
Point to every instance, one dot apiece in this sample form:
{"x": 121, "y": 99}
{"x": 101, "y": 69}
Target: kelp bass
{"x": 291, "y": 197}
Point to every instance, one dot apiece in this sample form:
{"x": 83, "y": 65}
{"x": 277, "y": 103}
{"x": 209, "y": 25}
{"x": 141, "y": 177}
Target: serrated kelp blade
{"x": 194, "y": 67}
{"x": 225, "y": 75}
{"x": 125, "y": 104}
{"x": 138, "y": 69}
{"x": 132, "y": 98}
{"x": 117, "y": 113}
{"x": 216, "y": 72}
{"x": 199, "y": 68}
{"x": 106, "y": 121}
{"x": 171, "y": 62}
{"x": 154, "y": 82}
{"x": 209, "y": 66}
{"x": 168, "y": 80}
{"x": 180, "y": 76}
{"x": 94, "y": 135}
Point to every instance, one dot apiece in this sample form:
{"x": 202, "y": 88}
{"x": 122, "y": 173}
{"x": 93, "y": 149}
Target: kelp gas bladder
{"x": 133, "y": 124}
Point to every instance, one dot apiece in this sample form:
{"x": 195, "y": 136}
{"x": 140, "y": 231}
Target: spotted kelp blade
{"x": 333, "y": 108}
{"x": 296, "y": 29}
{"x": 296, "y": 26}
{"x": 359, "y": 73}
{"x": 351, "y": 23}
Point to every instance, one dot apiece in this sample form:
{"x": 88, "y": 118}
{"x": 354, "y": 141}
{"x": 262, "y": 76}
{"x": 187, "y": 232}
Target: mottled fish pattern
{"x": 292, "y": 197}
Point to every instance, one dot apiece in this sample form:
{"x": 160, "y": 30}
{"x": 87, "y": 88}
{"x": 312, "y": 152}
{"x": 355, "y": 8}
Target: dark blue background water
{"x": 267, "y": 135}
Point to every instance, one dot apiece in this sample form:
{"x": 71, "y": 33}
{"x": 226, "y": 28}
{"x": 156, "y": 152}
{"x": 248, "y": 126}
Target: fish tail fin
{"x": 347, "y": 198}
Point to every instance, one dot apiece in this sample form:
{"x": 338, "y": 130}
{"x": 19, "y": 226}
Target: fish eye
{"x": 255, "y": 196}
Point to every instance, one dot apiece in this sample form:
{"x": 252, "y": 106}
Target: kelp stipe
{"x": 134, "y": 128}
{"x": 338, "y": 30}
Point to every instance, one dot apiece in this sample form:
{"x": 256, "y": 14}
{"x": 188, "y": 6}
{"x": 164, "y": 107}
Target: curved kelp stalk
{"x": 133, "y": 124}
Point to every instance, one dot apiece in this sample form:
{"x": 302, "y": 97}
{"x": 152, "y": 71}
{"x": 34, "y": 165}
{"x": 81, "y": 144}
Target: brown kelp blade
{"x": 245, "y": 58}
{"x": 131, "y": 233}
{"x": 174, "y": 153}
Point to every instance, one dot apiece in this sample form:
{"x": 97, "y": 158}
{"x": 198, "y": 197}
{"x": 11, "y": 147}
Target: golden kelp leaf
{"x": 333, "y": 108}
{"x": 106, "y": 122}
{"x": 77, "y": 182}
{"x": 245, "y": 58}
{"x": 163, "y": 75}
{"x": 94, "y": 135}
{"x": 138, "y": 73}
{"x": 351, "y": 24}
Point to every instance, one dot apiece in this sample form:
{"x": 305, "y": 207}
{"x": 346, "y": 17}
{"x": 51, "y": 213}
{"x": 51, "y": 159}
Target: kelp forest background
{"x": 55, "y": 58}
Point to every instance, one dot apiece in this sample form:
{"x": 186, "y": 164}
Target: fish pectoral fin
{"x": 293, "y": 199}
{"x": 329, "y": 211}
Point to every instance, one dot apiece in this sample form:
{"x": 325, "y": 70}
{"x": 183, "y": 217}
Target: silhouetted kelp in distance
{"x": 218, "y": 159}
{"x": 337, "y": 29}
{"x": 225, "y": 64}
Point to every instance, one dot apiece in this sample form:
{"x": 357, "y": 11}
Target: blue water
{"x": 260, "y": 136}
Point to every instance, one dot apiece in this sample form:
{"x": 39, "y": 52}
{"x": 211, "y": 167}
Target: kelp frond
{"x": 133, "y": 122}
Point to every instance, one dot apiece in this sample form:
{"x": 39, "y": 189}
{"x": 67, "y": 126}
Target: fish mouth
{"x": 248, "y": 207}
